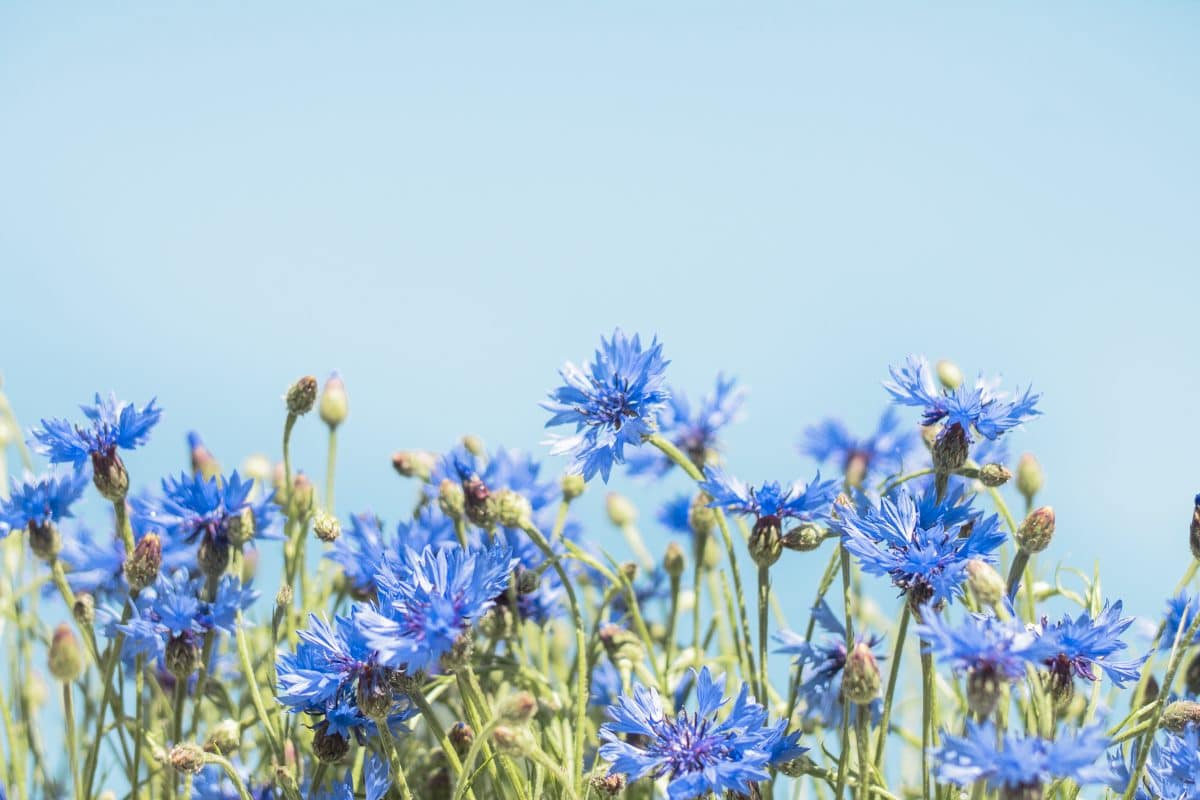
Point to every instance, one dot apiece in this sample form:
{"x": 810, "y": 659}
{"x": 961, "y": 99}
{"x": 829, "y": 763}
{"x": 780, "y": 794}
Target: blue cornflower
{"x": 1172, "y": 769}
{"x": 1082, "y": 644}
{"x": 613, "y": 403}
{"x": 881, "y": 453}
{"x": 504, "y": 468}
{"x": 822, "y": 664}
{"x": 1020, "y": 766}
{"x": 213, "y": 784}
{"x": 990, "y": 651}
{"x": 430, "y": 601}
{"x": 648, "y": 586}
{"x": 675, "y": 514}
{"x": 770, "y": 501}
{"x": 693, "y": 430}
{"x": 364, "y": 548}
{"x": 696, "y": 752}
{"x": 40, "y": 501}
{"x": 604, "y": 684}
{"x": 923, "y": 545}
{"x": 194, "y": 508}
{"x": 1181, "y": 613}
{"x": 96, "y": 564}
{"x": 113, "y": 425}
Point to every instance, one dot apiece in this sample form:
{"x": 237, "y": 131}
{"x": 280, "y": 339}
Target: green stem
{"x": 330, "y": 469}
{"x": 123, "y": 526}
{"x": 317, "y": 780}
{"x": 230, "y": 773}
{"x": 927, "y": 701}
{"x": 14, "y": 750}
{"x": 389, "y": 746}
{"x": 422, "y": 703}
{"x": 862, "y": 734}
{"x": 848, "y": 628}
{"x": 764, "y": 602}
{"x": 701, "y": 541}
{"x": 886, "y": 487}
{"x": 1015, "y": 572}
{"x": 248, "y": 675}
{"x": 140, "y": 715}
{"x": 72, "y": 751}
{"x": 669, "y": 653}
{"x": 890, "y": 692}
{"x": 830, "y": 573}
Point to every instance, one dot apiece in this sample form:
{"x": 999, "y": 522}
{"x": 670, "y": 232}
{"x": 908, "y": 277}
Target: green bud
{"x": 301, "y": 396}
{"x": 674, "y": 561}
{"x": 84, "y": 610}
{"x": 994, "y": 475}
{"x": 1029, "y": 476}
{"x": 518, "y": 708}
{"x": 474, "y": 445}
{"x": 766, "y": 541}
{"x": 182, "y": 656}
{"x": 860, "y": 679}
{"x": 701, "y": 518}
{"x": 513, "y": 509}
{"x": 620, "y": 644}
{"x": 413, "y": 463}
{"x": 329, "y": 748}
{"x": 1035, "y": 533}
{"x": 44, "y": 540}
{"x": 459, "y": 654}
{"x": 513, "y": 741}
{"x": 948, "y": 374}
{"x": 1181, "y": 714}
{"x": 451, "y": 499}
{"x": 258, "y": 468}
{"x": 213, "y": 556}
{"x": 186, "y": 758}
{"x": 985, "y": 583}
{"x": 326, "y": 527}
{"x": 285, "y": 595}
{"x": 983, "y": 691}
{"x": 621, "y": 512}
{"x": 572, "y": 486}
{"x": 141, "y": 569}
{"x": 335, "y": 405}
{"x": 224, "y": 738}
{"x": 240, "y": 527}
{"x": 804, "y": 538}
{"x": 65, "y": 656}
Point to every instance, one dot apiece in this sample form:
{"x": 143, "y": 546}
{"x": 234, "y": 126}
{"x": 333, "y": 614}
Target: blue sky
{"x": 204, "y": 202}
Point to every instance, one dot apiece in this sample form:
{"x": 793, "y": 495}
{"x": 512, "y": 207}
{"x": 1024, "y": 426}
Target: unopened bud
{"x": 224, "y": 738}
{"x": 182, "y": 656}
{"x": 335, "y": 405}
{"x": 257, "y": 467}
{"x": 65, "y": 657}
{"x": 462, "y": 736}
{"x": 451, "y": 499}
{"x": 213, "y": 556}
{"x": 609, "y": 785}
{"x": 1194, "y": 531}
{"x": 674, "y": 561}
{"x": 518, "y": 708}
{"x": 985, "y": 583}
{"x": 413, "y": 463}
{"x": 804, "y": 538}
{"x": 513, "y": 509}
{"x": 326, "y": 527}
{"x": 141, "y": 569}
{"x": 950, "y": 449}
{"x": 1026, "y": 791}
{"x": 1035, "y": 533}
{"x": 701, "y": 518}
{"x": 620, "y": 644}
{"x": 186, "y": 758}
{"x": 621, "y": 512}
{"x": 44, "y": 540}
{"x": 983, "y": 691}
{"x": 1181, "y": 715}
{"x": 948, "y": 374}
{"x": 572, "y": 486}
{"x": 459, "y": 654}
{"x": 1150, "y": 693}
{"x": 301, "y": 396}
{"x": 1029, "y": 476}
{"x": 766, "y": 541}
{"x": 240, "y": 527}
{"x": 84, "y": 610}
{"x": 994, "y": 475}
{"x": 329, "y": 748}
{"x": 285, "y": 595}
{"x": 860, "y": 679}
{"x": 526, "y": 580}
{"x": 109, "y": 475}
{"x": 303, "y": 494}
{"x": 1192, "y": 677}
{"x": 204, "y": 463}
{"x": 482, "y": 508}
{"x": 513, "y": 741}
{"x": 474, "y": 445}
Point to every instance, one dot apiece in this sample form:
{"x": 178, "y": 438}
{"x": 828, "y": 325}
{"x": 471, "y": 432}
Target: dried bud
{"x": 186, "y": 758}
{"x": 609, "y": 785}
{"x": 994, "y": 475}
{"x": 1194, "y": 531}
{"x": 474, "y": 445}
{"x": 1035, "y": 533}
{"x": 856, "y": 468}
{"x": 213, "y": 556}
{"x": 985, "y": 583}
{"x": 65, "y": 657}
{"x": 766, "y": 541}
{"x": 240, "y": 527}
{"x": 948, "y": 374}
{"x": 513, "y": 741}
{"x": 621, "y": 512}
{"x": 701, "y": 518}
{"x": 451, "y": 499}
{"x": 301, "y": 396}
{"x": 462, "y": 736}
{"x": 182, "y": 656}
{"x": 518, "y": 708}
{"x": 44, "y": 540}
{"x": 1180, "y": 715}
{"x": 84, "y": 609}
{"x": 329, "y": 748}
{"x": 335, "y": 405}
{"x": 983, "y": 691}
{"x": 141, "y": 569}
{"x": 413, "y": 463}
{"x": 326, "y": 527}
{"x": 224, "y": 738}
{"x": 572, "y": 486}
{"x": 1029, "y": 476}
{"x": 804, "y": 538}
{"x": 674, "y": 561}
{"x": 950, "y": 450}
{"x": 109, "y": 475}
{"x": 860, "y": 678}
{"x": 513, "y": 509}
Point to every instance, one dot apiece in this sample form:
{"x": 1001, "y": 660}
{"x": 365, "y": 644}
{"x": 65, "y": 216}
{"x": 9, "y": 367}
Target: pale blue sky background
{"x": 445, "y": 203}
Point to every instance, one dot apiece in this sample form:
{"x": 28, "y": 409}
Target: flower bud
{"x": 513, "y": 741}
{"x": 1194, "y": 530}
{"x": 620, "y": 644}
{"x": 518, "y": 708}
{"x": 1192, "y": 677}
{"x": 766, "y": 541}
{"x": 1026, "y": 791}
{"x": 950, "y": 449}
{"x": 1150, "y": 692}
{"x": 512, "y": 509}
{"x": 301, "y": 396}
{"x": 182, "y": 656}
{"x": 335, "y": 405}
{"x": 303, "y": 494}
{"x": 204, "y": 463}
{"x": 674, "y": 561}
{"x": 701, "y": 518}
{"x": 186, "y": 758}
{"x": 983, "y": 691}
{"x": 1180, "y": 715}
{"x": 413, "y": 463}
{"x": 1029, "y": 476}
{"x": 462, "y": 736}
{"x": 374, "y": 697}
{"x": 621, "y": 512}
{"x": 994, "y": 475}
{"x": 860, "y": 679}
{"x": 224, "y": 738}
{"x": 44, "y": 540}
{"x": 213, "y": 556}
{"x": 240, "y": 527}
{"x": 109, "y": 475}
{"x": 804, "y": 538}
{"x": 572, "y": 486}
{"x": 141, "y": 569}
{"x": 609, "y": 785}
{"x": 257, "y": 467}
{"x": 856, "y": 468}
{"x": 329, "y": 748}
{"x": 527, "y": 581}
{"x": 948, "y": 374}
{"x": 985, "y": 583}
{"x": 65, "y": 657}
{"x": 1062, "y": 691}
{"x": 285, "y": 778}
{"x": 326, "y": 527}
{"x": 482, "y": 507}
{"x": 474, "y": 445}
{"x": 285, "y": 595}
{"x": 84, "y": 610}
{"x": 459, "y": 654}
{"x": 1035, "y": 533}
{"x": 451, "y": 499}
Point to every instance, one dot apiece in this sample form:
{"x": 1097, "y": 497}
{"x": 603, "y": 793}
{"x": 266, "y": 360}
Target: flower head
{"x": 675, "y": 514}
{"x": 696, "y": 752}
{"x": 922, "y": 544}
{"x": 806, "y": 503}
{"x": 1083, "y": 644}
{"x": 822, "y": 664}
{"x": 42, "y": 500}
{"x": 364, "y": 549}
{"x": 113, "y": 425}
{"x": 1020, "y": 763}
{"x": 612, "y": 402}
{"x": 881, "y": 453}
{"x": 1181, "y": 613}
{"x": 1172, "y": 768}
{"x": 193, "y": 508}
{"x": 692, "y": 428}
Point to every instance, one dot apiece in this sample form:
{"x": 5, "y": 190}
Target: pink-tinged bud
{"x": 203, "y": 461}
{"x": 301, "y": 396}
{"x": 335, "y": 404}
{"x": 513, "y": 741}
{"x": 142, "y": 568}
{"x": 186, "y": 758}
{"x": 518, "y": 708}
{"x": 1035, "y": 533}
{"x": 65, "y": 657}
{"x": 109, "y": 475}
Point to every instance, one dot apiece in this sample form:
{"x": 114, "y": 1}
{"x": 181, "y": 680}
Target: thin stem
{"x": 862, "y": 734}
{"x": 72, "y": 751}
{"x": 669, "y": 649}
{"x": 389, "y": 746}
{"x": 330, "y": 469}
{"x": 926, "y": 720}
{"x": 422, "y": 702}
{"x": 848, "y": 628}
{"x": 140, "y": 715}
{"x": 701, "y": 541}
{"x": 317, "y": 780}
{"x": 890, "y": 692}
{"x": 123, "y": 526}
{"x": 18, "y": 757}
{"x": 255, "y": 695}
{"x": 764, "y": 602}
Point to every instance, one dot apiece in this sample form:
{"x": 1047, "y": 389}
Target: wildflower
{"x": 674, "y": 514}
{"x": 881, "y": 453}
{"x": 696, "y": 752}
{"x": 822, "y": 665}
{"x": 693, "y": 430}
{"x": 364, "y": 548}
{"x": 924, "y": 545}
{"x": 1079, "y": 646}
{"x": 1020, "y": 766}
{"x": 613, "y": 403}
{"x": 430, "y": 601}
{"x": 1181, "y": 612}
{"x": 114, "y": 425}
{"x": 37, "y": 505}
{"x": 1172, "y": 768}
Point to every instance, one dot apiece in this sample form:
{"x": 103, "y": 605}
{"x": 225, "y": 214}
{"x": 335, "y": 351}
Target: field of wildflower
{"x": 484, "y": 646}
